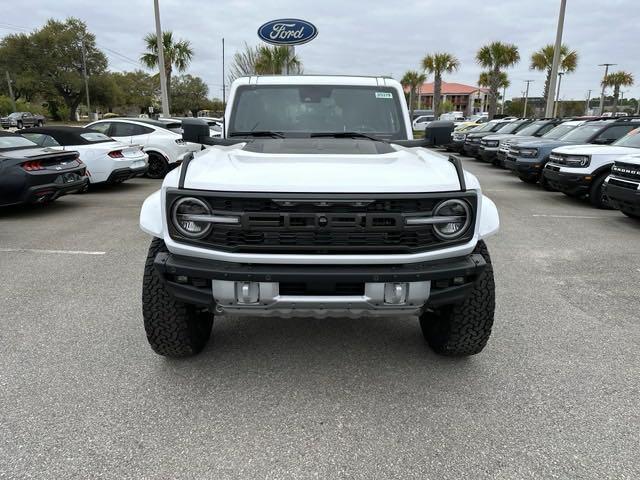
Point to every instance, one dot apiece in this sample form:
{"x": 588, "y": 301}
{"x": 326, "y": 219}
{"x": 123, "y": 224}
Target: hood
{"x": 590, "y": 149}
{"x": 498, "y": 136}
{"x": 544, "y": 143}
{"x": 398, "y": 169}
{"x": 633, "y": 158}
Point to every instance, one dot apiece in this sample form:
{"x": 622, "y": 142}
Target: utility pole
{"x": 161, "y": 66}
{"x": 13, "y": 100}
{"x": 224, "y": 92}
{"x": 555, "y": 107}
{"x": 86, "y": 81}
{"x": 586, "y": 107}
{"x": 606, "y": 72}
{"x": 556, "y": 60}
{"x": 526, "y": 98}
{"x": 504, "y": 96}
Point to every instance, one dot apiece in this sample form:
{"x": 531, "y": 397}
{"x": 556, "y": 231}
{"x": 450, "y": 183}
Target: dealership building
{"x": 465, "y": 98}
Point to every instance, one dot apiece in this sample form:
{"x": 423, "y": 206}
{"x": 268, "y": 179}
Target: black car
{"x": 472, "y": 140}
{"x": 31, "y": 174}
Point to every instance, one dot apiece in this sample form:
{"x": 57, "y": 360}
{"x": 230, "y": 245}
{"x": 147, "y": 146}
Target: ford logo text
{"x": 287, "y": 31}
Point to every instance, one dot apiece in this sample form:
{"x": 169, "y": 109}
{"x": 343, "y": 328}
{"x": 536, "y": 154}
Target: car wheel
{"x": 19, "y": 125}
{"x": 631, "y": 214}
{"x": 464, "y": 328}
{"x": 597, "y": 196}
{"x": 173, "y": 328}
{"x": 545, "y": 184}
{"x": 158, "y": 166}
{"x": 40, "y": 123}
{"x": 527, "y": 179}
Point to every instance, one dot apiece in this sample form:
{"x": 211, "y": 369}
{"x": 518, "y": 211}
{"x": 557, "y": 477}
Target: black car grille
{"x": 322, "y": 224}
{"x": 626, "y": 170}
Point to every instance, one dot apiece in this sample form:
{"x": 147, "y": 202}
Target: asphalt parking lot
{"x": 554, "y": 395}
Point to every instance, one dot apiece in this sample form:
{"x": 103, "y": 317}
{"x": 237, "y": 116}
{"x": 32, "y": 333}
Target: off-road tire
{"x": 39, "y": 123}
{"x": 19, "y": 125}
{"x": 631, "y": 214}
{"x": 158, "y": 166}
{"x": 464, "y": 328}
{"x": 596, "y": 192}
{"x": 174, "y": 329}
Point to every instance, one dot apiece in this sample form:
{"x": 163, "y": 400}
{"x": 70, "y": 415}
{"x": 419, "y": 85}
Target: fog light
{"x": 182, "y": 279}
{"x": 395, "y": 293}
{"x": 458, "y": 280}
{"x": 247, "y": 292}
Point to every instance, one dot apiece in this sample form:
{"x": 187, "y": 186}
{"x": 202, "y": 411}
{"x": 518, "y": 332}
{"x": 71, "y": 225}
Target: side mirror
{"x": 194, "y": 130}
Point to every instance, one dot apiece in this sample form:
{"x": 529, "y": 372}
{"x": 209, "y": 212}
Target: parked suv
{"x": 622, "y": 186}
{"x": 489, "y": 143}
{"x": 317, "y": 202}
{"x": 581, "y": 170}
{"x": 535, "y": 129}
{"x": 472, "y": 140}
{"x": 529, "y": 159}
{"x": 20, "y": 120}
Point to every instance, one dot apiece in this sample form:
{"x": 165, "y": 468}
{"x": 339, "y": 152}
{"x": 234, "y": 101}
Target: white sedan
{"x": 107, "y": 160}
{"x": 162, "y": 141}
{"x": 422, "y": 122}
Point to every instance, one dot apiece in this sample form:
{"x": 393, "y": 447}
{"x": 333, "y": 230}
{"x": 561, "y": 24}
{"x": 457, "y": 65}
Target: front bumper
{"x": 524, "y": 167}
{"x": 214, "y": 285}
{"x": 470, "y": 149}
{"x": 488, "y": 154}
{"x": 570, "y": 183}
{"x": 623, "y": 195}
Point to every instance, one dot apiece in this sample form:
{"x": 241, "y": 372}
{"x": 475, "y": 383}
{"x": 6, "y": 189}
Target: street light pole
{"x": 86, "y": 82}
{"x": 606, "y": 72}
{"x": 556, "y": 60}
{"x": 526, "y": 99}
{"x": 586, "y": 107}
{"x": 555, "y": 107}
{"x": 161, "y": 66}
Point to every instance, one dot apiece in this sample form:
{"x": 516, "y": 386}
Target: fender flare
{"x": 488, "y": 220}
{"x": 602, "y": 169}
{"x": 159, "y": 151}
{"x": 151, "y": 217}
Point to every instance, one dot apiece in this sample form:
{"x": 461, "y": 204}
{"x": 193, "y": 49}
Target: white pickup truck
{"x": 317, "y": 201}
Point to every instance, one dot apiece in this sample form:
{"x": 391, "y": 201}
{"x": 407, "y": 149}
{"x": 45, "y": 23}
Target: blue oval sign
{"x": 287, "y": 31}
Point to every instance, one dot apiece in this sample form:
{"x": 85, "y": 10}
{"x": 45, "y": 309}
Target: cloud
{"x": 367, "y": 37}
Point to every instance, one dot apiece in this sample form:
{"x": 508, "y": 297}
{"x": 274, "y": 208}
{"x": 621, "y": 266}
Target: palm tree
{"x": 495, "y": 57}
{"x": 542, "y": 60}
{"x": 437, "y": 64}
{"x": 617, "y": 80}
{"x": 503, "y": 82}
{"x": 412, "y": 80}
{"x": 274, "y": 60}
{"x": 178, "y": 54}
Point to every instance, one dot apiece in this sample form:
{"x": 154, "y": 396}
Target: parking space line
{"x": 35, "y": 250}
{"x": 568, "y": 216}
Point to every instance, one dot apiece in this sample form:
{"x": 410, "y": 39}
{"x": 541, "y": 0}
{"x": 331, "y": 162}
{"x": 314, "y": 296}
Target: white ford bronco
{"x": 317, "y": 202}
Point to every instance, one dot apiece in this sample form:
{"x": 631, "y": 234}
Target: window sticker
{"x": 384, "y": 95}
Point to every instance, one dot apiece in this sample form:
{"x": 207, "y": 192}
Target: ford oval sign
{"x": 287, "y": 31}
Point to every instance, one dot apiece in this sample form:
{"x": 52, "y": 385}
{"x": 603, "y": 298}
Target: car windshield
{"x": 302, "y": 110}
{"x": 10, "y": 142}
{"x": 530, "y": 129}
{"x": 582, "y": 134}
{"x": 15, "y": 115}
{"x": 559, "y": 131}
{"x": 631, "y": 139}
{"x": 489, "y": 126}
{"x": 510, "y": 127}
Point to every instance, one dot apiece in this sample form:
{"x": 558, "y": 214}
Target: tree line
{"x": 496, "y": 58}
{"x": 46, "y": 71}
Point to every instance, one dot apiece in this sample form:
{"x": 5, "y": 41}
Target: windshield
{"x": 510, "y": 127}
{"x": 489, "y": 126}
{"x": 15, "y": 115}
{"x": 301, "y": 110}
{"x": 530, "y": 130}
{"x": 558, "y": 131}
{"x": 10, "y": 142}
{"x": 631, "y": 139}
{"x": 582, "y": 134}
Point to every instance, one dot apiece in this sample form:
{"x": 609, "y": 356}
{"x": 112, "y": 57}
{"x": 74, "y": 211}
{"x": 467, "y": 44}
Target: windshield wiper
{"x": 346, "y": 135}
{"x": 258, "y": 133}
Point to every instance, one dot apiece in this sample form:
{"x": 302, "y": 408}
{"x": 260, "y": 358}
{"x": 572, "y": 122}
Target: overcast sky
{"x": 365, "y": 37}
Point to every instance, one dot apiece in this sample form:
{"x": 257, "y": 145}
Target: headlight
{"x": 577, "y": 160}
{"x": 529, "y": 152}
{"x": 455, "y": 216}
{"x": 184, "y": 215}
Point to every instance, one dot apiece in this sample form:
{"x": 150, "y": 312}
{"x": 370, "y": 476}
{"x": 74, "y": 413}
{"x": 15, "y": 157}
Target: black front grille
{"x": 620, "y": 183}
{"x": 626, "y": 170}
{"x": 322, "y": 224}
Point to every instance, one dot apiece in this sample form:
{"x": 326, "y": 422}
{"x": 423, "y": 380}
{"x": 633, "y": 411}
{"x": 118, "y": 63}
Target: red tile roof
{"x": 451, "y": 89}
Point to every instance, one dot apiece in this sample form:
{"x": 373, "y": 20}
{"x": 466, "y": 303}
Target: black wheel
{"x": 40, "y": 123}
{"x": 174, "y": 329}
{"x": 158, "y": 166}
{"x": 597, "y": 197}
{"x": 631, "y": 214}
{"x": 19, "y": 125}
{"x": 464, "y": 328}
{"x": 528, "y": 179}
